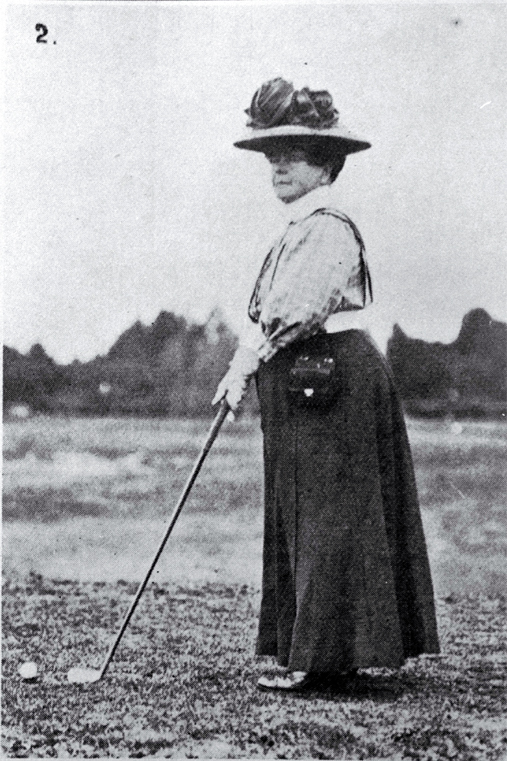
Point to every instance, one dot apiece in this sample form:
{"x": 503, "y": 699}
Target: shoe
{"x": 292, "y": 681}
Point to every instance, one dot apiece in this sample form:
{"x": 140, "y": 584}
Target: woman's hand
{"x": 235, "y": 382}
{"x": 233, "y": 389}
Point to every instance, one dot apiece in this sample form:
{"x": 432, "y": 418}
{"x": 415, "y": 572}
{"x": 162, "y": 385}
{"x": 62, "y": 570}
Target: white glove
{"x": 235, "y": 382}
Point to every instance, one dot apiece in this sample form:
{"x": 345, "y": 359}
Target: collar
{"x": 317, "y": 199}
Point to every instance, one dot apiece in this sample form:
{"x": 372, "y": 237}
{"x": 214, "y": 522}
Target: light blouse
{"x": 315, "y": 272}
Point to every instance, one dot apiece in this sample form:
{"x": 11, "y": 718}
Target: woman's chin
{"x": 285, "y": 195}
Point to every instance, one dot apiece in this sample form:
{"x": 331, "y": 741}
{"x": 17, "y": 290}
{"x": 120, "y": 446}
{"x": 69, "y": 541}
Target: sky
{"x": 124, "y": 194}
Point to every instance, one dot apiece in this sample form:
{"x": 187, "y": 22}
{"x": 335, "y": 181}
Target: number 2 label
{"x": 42, "y": 28}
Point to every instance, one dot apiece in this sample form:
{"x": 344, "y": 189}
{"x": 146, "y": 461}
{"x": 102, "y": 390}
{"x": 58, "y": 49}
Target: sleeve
{"x": 311, "y": 282}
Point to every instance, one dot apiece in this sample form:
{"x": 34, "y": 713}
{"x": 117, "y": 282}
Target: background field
{"x": 85, "y": 504}
{"x": 88, "y": 499}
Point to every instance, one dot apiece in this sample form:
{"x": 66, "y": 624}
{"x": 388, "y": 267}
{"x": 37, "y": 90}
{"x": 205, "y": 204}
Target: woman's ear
{"x": 326, "y": 175}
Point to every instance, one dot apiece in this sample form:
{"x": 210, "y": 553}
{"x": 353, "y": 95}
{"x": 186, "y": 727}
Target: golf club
{"x": 85, "y": 675}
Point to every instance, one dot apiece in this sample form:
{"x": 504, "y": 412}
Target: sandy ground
{"x": 201, "y": 548}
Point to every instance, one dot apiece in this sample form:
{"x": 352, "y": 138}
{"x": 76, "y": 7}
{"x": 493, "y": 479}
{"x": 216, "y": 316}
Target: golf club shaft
{"x": 217, "y": 423}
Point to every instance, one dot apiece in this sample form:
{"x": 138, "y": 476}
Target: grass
{"x": 87, "y": 499}
{"x": 183, "y": 682}
{"x": 85, "y": 504}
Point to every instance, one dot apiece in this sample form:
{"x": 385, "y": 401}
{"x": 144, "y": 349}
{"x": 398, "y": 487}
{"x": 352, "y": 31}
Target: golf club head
{"x": 83, "y": 676}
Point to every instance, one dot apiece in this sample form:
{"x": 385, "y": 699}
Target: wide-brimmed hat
{"x": 279, "y": 113}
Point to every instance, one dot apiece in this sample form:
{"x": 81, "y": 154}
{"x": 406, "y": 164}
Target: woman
{"x": 346, "y": 579}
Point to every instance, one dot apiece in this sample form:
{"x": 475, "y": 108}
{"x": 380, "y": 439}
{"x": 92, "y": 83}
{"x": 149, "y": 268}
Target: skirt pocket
{"x": 312, "y": 381}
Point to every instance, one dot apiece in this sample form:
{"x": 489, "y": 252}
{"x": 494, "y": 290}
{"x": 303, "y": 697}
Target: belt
{"x": 351, "y": 320}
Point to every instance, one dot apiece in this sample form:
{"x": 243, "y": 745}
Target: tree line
{"x": 172, "y": 367}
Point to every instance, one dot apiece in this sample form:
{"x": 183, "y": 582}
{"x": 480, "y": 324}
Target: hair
{"x": 323, "y": 153}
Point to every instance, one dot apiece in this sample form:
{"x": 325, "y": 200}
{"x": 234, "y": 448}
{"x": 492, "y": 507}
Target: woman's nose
{"x": 281, "y": 166}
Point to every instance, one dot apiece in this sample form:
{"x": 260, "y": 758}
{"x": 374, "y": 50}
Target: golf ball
{"x": 28, "y": 670}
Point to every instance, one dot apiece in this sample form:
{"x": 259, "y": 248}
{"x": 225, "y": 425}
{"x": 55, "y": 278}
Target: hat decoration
{"x": 277, "y": 103}
{"x": 280, "y": 112}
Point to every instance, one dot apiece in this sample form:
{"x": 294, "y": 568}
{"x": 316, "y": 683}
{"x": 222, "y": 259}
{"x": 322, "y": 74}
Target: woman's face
{"x": 292, "y": 175}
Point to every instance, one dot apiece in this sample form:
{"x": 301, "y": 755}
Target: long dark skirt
{"x": 346, "y": 579}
